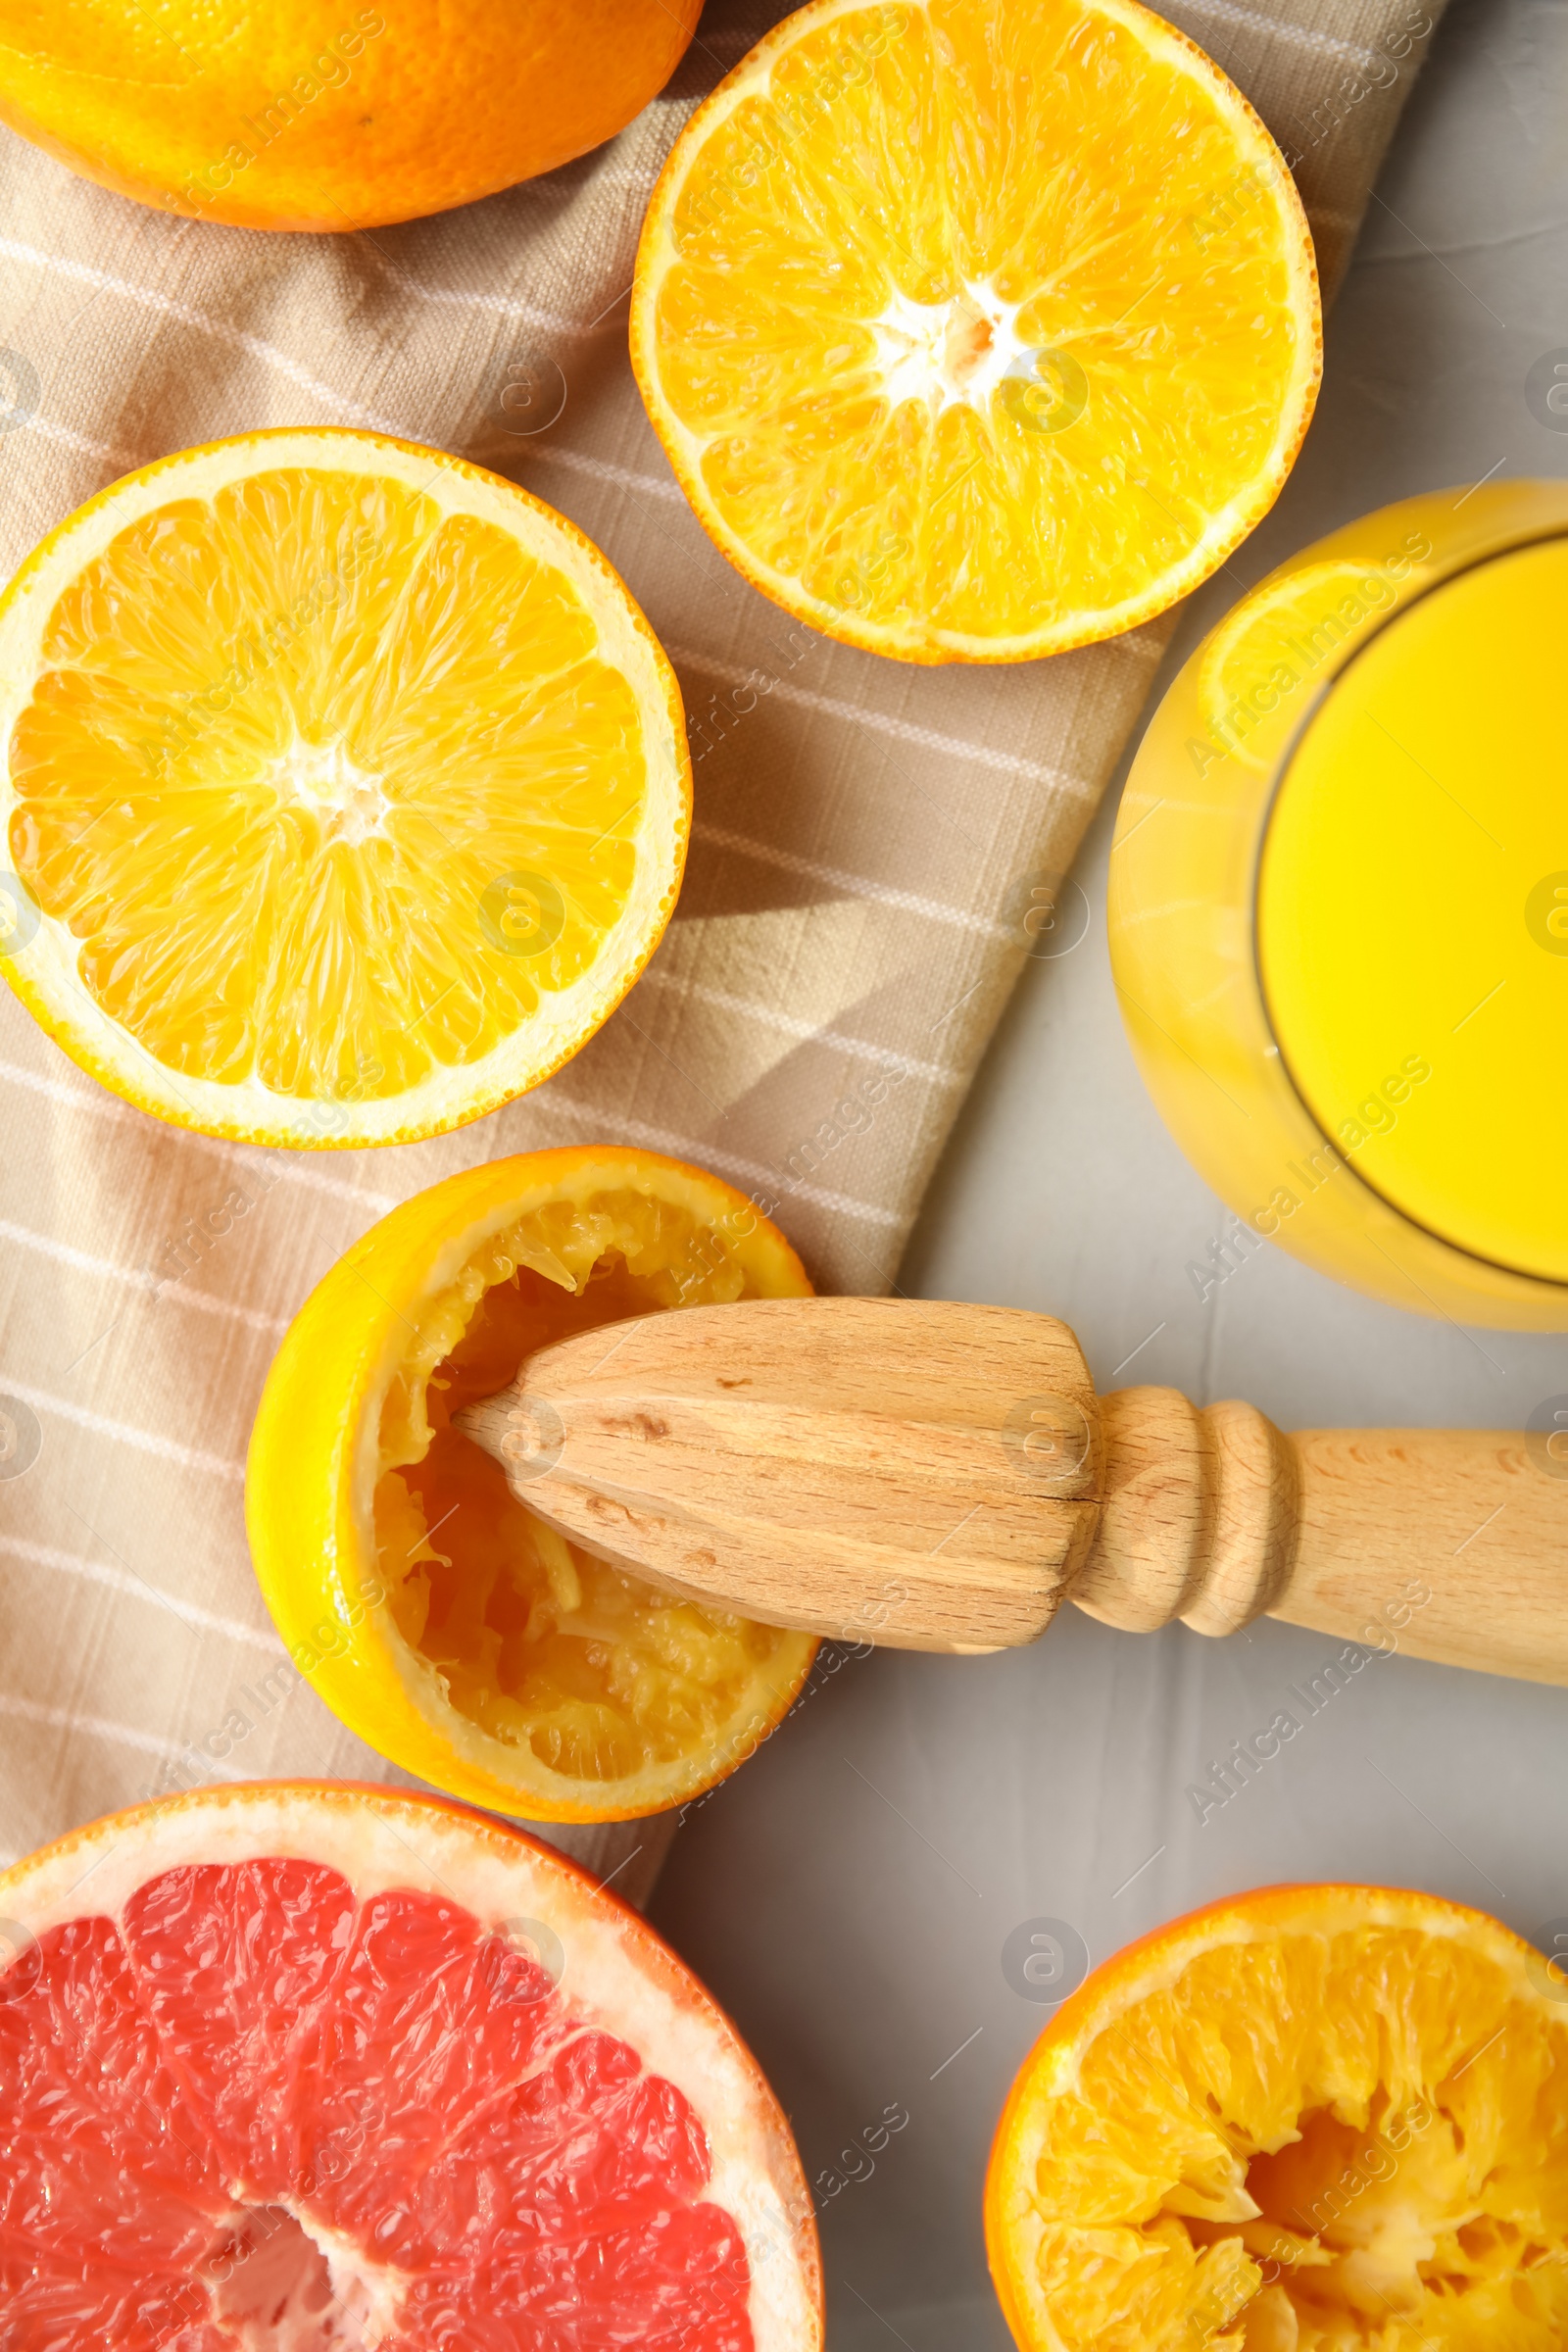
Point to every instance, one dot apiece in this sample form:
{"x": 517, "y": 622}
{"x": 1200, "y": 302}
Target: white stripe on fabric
{"x": 855, "y": 885}
{"x": 939, "y": 1073}
{"x": 142, "y": 1280}
{"x": 777, "y": 1181}
{"x": 145, "y": 1440}
{"x": 295, "y": 1170}
{"x": 1299, "y": 37}
{"x": 68, "y": 438}
{"x": 150, "y": 299}
{"x": 499, "y": 304}
{"x": 64, "y": 1719}
{"x": 578, "y": 460}
{"x": 115, "y": 1579}
{"x": 975, "y": 754}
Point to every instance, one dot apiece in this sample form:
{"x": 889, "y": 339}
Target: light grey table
{"x": 848, "y": 1893}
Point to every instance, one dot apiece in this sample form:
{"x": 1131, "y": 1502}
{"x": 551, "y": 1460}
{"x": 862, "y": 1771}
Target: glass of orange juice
{"x": 1339, "y": 905}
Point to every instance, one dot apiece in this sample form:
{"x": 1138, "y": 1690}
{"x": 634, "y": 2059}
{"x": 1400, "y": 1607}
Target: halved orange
{"x": 1308, "y": 2119}
{"x": 1275, "y": 638}
{"x": 321, "y": 2068}
{"x": 438, "y": 1617}
{"x": 346, "y": 788}
{"x": 976, "y": 329}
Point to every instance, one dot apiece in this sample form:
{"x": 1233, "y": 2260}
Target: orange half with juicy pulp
{"x": 976, "y": 329}
{"x": 345, "y": 788}
{"x": 1309, "y": 2118}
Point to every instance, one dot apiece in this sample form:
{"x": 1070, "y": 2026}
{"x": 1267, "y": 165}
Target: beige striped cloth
{"x": 872, "y": 846}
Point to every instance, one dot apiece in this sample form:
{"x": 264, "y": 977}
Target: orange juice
{"x": 1339, "y": 905}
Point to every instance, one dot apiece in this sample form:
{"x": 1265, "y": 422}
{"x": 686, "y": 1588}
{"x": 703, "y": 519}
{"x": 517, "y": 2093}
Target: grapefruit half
{"x": 296, "y": 2066}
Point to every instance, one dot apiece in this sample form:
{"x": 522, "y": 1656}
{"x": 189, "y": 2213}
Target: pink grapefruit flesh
{"x": 302, "y": 2068}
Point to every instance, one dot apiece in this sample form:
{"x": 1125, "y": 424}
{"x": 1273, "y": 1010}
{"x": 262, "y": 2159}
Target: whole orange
{"x": 323, "y": 114}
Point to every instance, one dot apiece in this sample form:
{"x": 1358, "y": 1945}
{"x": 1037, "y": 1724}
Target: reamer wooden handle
{"x": 1448, "y": 1543}
{"x": 936, "y": 1476}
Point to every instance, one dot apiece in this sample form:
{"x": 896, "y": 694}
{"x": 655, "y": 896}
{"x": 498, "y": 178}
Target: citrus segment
{"x": 311, "y": 2067}
{"x": 441, "y": 1617}
{"x": 1274, "y": 643}
{"x": 318, "y": 115}
{"x": 1310, "y": 2120}
{"x": 975, "y": 330}
{"x": 350, "y": 784}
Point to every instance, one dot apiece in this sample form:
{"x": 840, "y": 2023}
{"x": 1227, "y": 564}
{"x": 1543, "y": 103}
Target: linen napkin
{"x": 877, "y": 849}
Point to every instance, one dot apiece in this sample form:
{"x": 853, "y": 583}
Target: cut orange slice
{"x": 320, "y": 2069}
{"x": 1311, "y": 2119}
{"x": 443, "y": 1621}
{"x": 1274, "y": 640}
{"x": 975, "y": 329}
{"x": 347, "y": 788}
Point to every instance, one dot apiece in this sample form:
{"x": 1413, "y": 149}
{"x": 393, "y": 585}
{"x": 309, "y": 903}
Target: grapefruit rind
{"x": 618, "y": 1976}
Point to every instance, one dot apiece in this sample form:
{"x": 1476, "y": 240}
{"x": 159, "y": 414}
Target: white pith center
{"x": 943, "y": 352}
{"x": 349, "y": 800}
{"x": 274, "y": 2285}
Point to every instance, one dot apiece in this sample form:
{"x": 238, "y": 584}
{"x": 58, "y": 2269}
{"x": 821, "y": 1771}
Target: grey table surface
{"x": 849, "y": 1892}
